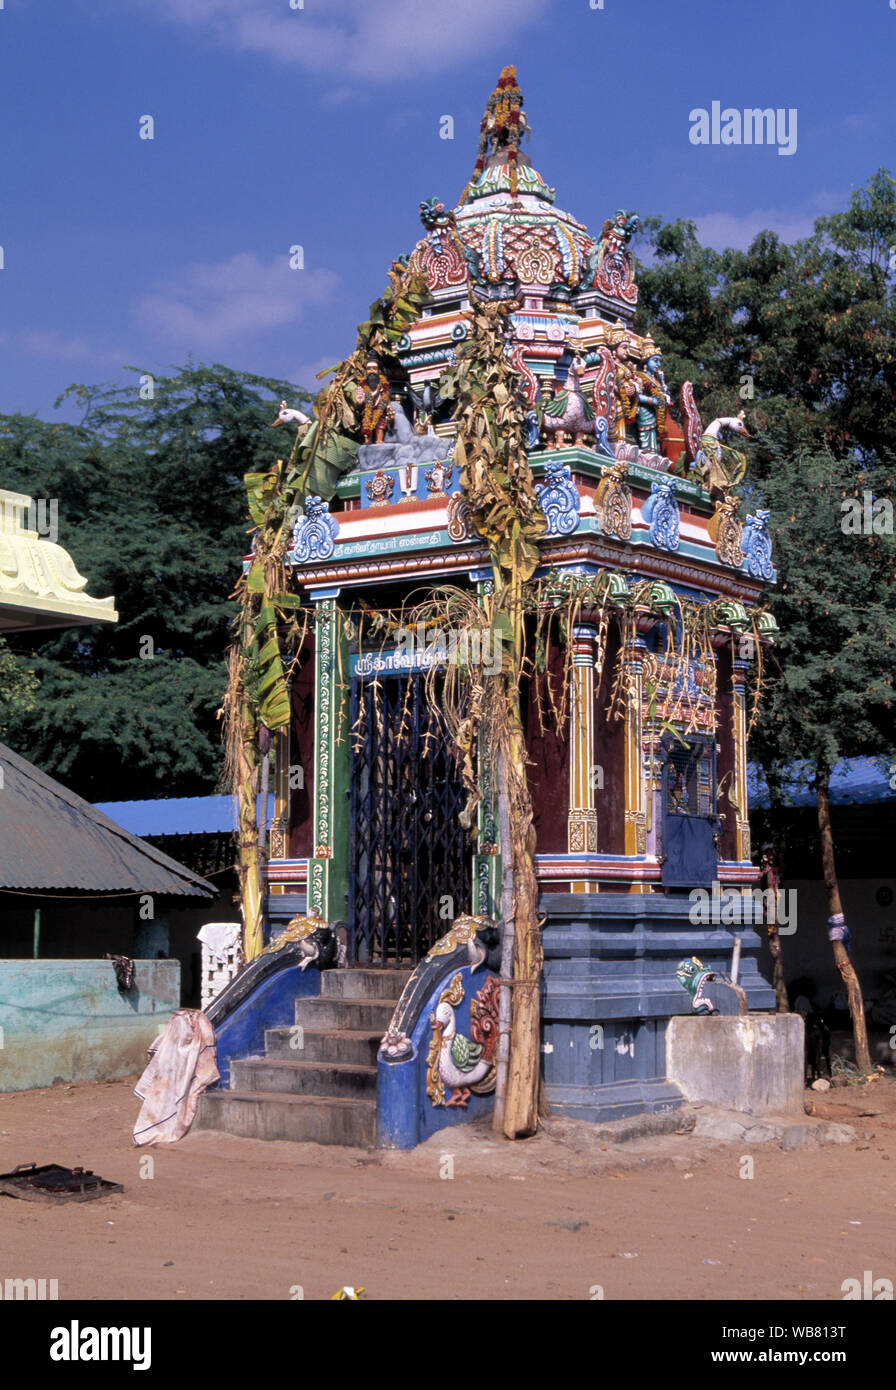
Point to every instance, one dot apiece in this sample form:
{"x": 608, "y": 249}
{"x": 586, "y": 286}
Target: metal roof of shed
{"x": 52, "y": 840}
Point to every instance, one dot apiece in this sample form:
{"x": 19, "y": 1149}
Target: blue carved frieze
{"x": 315, "y": 532}
{"x": 661, "y": 511}
{"x": 559, "y": 499}
{"x": 757, "y": 546}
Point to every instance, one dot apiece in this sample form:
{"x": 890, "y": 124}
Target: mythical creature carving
{"x": 757, "y": 545}
{"x": 315, "y": 532}
{"x": 559, "y": 499}
{"x": 322, "y": 944}
{"x": 661, "y": 511}
{"x": 609, "y": 265}
{"x": 477, "y": 933}
{"x": 441, "y": 255}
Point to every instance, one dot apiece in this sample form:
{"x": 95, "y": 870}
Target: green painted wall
{"x": 66, "y": 1020}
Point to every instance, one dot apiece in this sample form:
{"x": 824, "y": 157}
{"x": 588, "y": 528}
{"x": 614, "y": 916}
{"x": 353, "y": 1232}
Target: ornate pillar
{"x": 738, "y": 797}
{"x": 328, "y": 866}
{"x": 279, "y": 834}
{"x": 582, "y": 821}
{"x": 635, "y": 787}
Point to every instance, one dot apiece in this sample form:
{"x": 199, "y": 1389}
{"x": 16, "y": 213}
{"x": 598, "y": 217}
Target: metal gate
{"x": 410, "y": 866}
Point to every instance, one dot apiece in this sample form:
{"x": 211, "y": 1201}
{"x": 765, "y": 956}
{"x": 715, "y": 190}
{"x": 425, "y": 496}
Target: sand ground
{"x": 553, "y": 1218}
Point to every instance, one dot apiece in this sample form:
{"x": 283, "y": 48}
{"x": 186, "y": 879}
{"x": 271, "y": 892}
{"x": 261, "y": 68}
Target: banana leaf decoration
{"x": 265, "y": 678}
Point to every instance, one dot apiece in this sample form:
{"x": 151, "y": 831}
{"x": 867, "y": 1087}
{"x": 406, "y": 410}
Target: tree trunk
{"x": 836, "y": 923}
{"x": 771, "y": 879}
{"x": 524, "y": 1079}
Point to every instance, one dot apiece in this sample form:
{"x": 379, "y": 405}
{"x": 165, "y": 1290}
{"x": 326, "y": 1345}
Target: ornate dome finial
{"x": 503, "y": 126}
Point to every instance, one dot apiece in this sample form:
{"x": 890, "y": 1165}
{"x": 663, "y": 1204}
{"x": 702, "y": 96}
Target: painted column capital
{"x": 584, "y": 636}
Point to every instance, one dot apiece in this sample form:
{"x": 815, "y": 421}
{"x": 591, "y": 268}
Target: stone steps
{"x": 303, "y": 1078}
{"x": 303, "y": 1119}
{"x": 356, "y": 1045}
{"x": 316, "y": 1082}
{"x": 322, "y": 1015}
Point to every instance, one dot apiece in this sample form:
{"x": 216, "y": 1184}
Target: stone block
{"x": 753, "y": 1064}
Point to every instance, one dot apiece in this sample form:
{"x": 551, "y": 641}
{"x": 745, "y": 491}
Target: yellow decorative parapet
{"x": 39, "y": 584}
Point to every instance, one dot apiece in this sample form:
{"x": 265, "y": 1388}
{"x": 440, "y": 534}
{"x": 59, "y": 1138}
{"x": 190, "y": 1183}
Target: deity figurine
{"x": 626, "y": 381}
{"x": 372, "y": 395}
{"x": 653, "y": 400}
{"x": 641, "y": 397}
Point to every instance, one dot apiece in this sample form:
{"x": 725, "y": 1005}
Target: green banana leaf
{"x": 265, "y": 677}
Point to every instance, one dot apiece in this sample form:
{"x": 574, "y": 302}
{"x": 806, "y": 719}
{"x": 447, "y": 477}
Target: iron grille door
{"x": 690, "y": 823}
{"x": 408, "y": 851}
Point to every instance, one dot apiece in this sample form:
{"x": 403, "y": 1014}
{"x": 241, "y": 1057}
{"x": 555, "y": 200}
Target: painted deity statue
{"x": 372, "y": 397}
{"x": 641, "y": 397}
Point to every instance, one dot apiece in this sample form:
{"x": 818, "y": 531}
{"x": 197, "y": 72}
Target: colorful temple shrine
{"x": 631, "y": 812}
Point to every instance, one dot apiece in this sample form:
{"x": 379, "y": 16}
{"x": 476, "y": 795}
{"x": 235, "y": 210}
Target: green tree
{"x": 18, "y": 686}
{"x": 151, "y": 507}
{"x": 802, "y": 337}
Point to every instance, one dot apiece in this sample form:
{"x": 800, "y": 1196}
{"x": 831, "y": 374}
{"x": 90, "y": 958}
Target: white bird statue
{"x": 289, "y": 416}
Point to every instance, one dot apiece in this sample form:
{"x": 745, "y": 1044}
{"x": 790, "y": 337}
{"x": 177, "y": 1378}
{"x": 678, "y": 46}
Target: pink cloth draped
{"x": 181, "y": 1065}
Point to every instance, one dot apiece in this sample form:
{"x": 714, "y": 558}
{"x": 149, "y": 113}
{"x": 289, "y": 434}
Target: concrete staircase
{"x": 317, "y": 1080}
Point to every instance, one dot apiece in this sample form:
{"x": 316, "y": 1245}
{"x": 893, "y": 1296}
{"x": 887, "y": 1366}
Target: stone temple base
{"x": 610, "y": 992}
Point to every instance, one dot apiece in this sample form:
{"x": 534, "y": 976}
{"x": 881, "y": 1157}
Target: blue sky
{"x": 319, "y": 126}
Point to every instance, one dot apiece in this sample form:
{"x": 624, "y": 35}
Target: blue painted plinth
{"x": 610, "y": 989}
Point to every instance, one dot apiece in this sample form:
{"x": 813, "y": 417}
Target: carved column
{"x": 326, "y": 714}
{"x": 635, "y": 788}
{"x": 582, "y": 822}
{"x": 279, "y": 840}
{"x": 738, "y": 796}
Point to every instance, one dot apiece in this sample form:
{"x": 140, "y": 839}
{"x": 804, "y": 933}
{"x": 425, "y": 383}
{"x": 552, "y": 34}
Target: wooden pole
{"x": 507, "y": 942}
{"x": 524, "y": 1079}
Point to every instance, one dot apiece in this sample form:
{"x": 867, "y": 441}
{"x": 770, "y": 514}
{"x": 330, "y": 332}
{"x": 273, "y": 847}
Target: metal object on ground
{"x": 52, "y": 1183}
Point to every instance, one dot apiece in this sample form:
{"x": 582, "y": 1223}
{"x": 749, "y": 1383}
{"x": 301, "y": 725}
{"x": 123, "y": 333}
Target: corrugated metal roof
{"x": 177, "y": 815}
{"x": 854, "y": 782}
{"x": 53, "y": 840}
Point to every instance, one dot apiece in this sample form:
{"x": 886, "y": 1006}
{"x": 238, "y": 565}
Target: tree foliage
{"x": 802, "y": 337}
{"x": 151, "y": 508}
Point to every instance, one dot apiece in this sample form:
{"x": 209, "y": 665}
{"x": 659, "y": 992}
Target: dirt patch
{"x": 669, "y": 1216}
